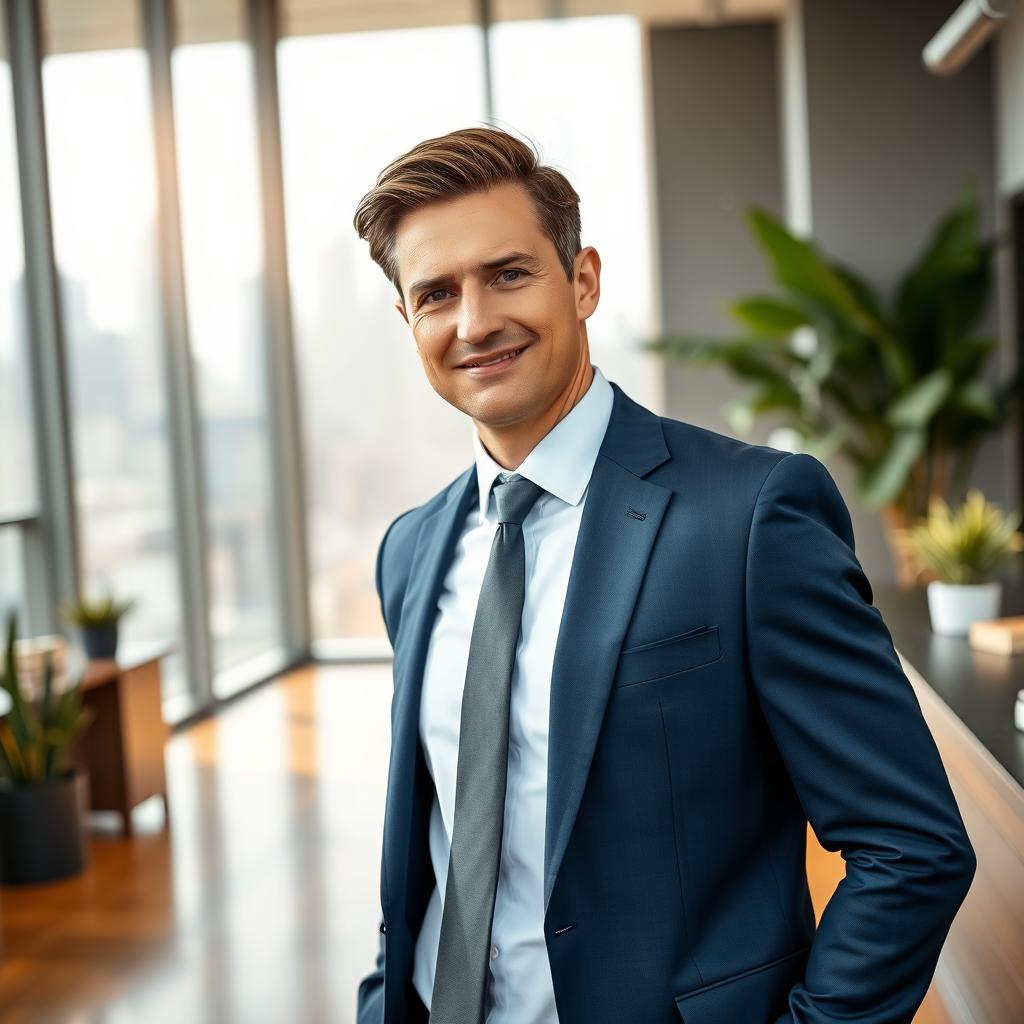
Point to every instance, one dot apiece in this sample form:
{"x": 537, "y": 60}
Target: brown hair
{"x": 460, "y": 163}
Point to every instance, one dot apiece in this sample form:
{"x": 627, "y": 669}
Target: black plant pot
{"x": 42, "y": 828}
{"x": 100, "y": 641}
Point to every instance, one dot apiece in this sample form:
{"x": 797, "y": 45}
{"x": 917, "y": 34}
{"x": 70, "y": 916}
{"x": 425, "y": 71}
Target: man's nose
{"x": 477, "y": 317}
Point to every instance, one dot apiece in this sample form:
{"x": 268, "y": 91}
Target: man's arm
{"x": 864, "y": 765}
{"x": 370, "y": 997}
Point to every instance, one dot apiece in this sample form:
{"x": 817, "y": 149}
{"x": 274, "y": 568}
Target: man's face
{"x": 465, "y": 302}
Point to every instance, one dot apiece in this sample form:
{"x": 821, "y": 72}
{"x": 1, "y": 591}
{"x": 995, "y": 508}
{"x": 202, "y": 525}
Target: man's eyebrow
{"x": 429, "y": 284}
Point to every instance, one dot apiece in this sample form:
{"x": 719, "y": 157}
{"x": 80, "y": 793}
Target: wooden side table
{"x": 123, "y": 747}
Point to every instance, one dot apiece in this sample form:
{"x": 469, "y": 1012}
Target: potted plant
{"x": 43, "y": 799}
{"x": 98, "y": 620}
{"x": 896, "y": 385}
{"x": 962, "y": 549}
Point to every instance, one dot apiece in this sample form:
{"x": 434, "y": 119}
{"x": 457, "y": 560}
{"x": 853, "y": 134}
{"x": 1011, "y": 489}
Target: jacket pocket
{"x": 757, "y": 995}
{"x": 668, "y": 657}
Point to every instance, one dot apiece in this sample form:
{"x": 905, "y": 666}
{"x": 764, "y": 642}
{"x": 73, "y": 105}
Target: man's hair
{"x": 461, "y": 163}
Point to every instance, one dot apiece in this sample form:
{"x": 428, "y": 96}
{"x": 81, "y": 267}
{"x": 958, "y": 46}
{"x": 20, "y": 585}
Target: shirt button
{"x": 495, "y": 952}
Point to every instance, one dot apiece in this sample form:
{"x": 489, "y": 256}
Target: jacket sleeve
{"x": 370, "y": 996}
{"x": 863, "y": 763}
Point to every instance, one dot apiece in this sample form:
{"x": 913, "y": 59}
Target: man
{"x": 633, "y": 657}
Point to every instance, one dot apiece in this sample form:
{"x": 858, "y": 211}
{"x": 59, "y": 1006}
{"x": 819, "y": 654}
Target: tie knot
{"x": 515, "y": 497}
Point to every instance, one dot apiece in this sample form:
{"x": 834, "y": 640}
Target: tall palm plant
{"x": 895, "y": 384}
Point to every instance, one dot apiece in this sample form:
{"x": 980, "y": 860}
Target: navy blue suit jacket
{"x": 720, "y": 678}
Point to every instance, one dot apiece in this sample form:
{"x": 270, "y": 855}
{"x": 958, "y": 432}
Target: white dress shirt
{"x": 519, "y": 984}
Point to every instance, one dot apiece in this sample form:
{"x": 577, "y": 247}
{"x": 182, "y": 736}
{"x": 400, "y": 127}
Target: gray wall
{"x": 716, "y": 143}
{"x": 891, "y": 144}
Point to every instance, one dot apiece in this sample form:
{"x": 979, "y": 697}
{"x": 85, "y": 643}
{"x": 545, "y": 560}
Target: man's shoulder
{"x": 693, "y": 447}
{"x": 714, "y": 455}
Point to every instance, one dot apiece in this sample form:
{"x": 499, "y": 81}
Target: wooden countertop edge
{"x": 964, "y": 756}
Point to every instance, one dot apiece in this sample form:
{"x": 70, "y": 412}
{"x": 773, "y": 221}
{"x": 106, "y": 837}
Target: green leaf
{"x": 915, "y": 408}
{"x": 863, "y": 294}
{"x": 967, "y": 357}
{"x": 745, "y": 362}
{"x": 943, "y": 294}
{"x": 976, "y": 398}
{"x": 47, "y": 687}
{"x": 12, "y": 753}
{"x": 19, "y": 717}
{"x": 883, "y": 481}
{"x": 6, "y": 767}
{"x": 687, "y": 348}
{"x": 797, "y": 264}
{"x": 767, "y": 315}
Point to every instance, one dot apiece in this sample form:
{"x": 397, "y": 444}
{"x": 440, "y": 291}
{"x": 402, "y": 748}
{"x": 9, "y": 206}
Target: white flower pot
{"x": 954, "y": 606}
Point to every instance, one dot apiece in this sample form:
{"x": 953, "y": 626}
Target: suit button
{"x": 495, "y": 952}
{"x": 383, "y": 929}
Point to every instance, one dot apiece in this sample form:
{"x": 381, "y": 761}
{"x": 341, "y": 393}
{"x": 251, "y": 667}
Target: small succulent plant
{"x": 103, "y": 611}
{"x": 965, "y": 546}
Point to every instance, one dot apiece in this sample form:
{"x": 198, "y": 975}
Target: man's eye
{"x": 430, "y": 295}
{"x": 504, "y": 272}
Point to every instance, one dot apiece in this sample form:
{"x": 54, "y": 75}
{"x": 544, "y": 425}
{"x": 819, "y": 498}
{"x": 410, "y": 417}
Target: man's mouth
{"x": 511, "y": 357}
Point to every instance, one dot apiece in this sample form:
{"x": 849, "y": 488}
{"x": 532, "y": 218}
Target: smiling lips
{"x": 479, "y": 368}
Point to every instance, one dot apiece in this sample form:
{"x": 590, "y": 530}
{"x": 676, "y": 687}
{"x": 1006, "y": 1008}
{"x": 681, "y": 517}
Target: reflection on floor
{"x": 260, "y": 903}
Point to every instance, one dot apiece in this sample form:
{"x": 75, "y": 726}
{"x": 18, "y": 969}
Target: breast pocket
{"x": 668, "y": 657}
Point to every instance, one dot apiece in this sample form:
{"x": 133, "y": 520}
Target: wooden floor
{"x": 260, "y": 902}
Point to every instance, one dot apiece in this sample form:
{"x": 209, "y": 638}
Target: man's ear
{"x": 400, "y": 306}
{"x": 588, "y": 281}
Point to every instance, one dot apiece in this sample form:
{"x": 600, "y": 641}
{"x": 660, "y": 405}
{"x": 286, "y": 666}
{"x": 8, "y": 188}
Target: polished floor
{"x": 259, "y": 904}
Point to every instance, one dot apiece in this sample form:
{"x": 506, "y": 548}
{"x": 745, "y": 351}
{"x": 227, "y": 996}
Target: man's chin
{"x": 497, "y": 410}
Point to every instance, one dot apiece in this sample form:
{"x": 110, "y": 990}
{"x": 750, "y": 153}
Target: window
{"x": 17, "y": 481}
{"x": 378, "y": 438}
{"x": 100, "y": 153}
{"x": 17, "y": 478}
{"x": 600, "y": 146}
{"x": 223, "y": 256}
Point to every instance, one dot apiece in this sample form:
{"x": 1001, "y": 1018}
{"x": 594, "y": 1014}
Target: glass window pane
{"x": 100, "y": 150}
{"x": 378, "y": 438}
{"x": 17, "y": 479}
{"x": 12, "y": 577}
{"x": 610, "y": 179}
{"x": 223, "y": 255}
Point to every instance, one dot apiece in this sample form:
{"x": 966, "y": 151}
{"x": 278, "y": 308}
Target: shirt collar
{"x": 563, "y": 460}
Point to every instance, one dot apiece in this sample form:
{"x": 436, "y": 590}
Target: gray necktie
{"x": 460, "y": 977}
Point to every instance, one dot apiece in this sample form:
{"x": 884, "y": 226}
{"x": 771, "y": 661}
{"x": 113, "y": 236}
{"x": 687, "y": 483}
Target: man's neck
{"x": 509, "y": 446}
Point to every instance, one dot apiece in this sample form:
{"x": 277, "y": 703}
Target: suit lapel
{"x": 620, "y": 521}
{"x": 435, "y": 547}
{"x": 621, "y": 518}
